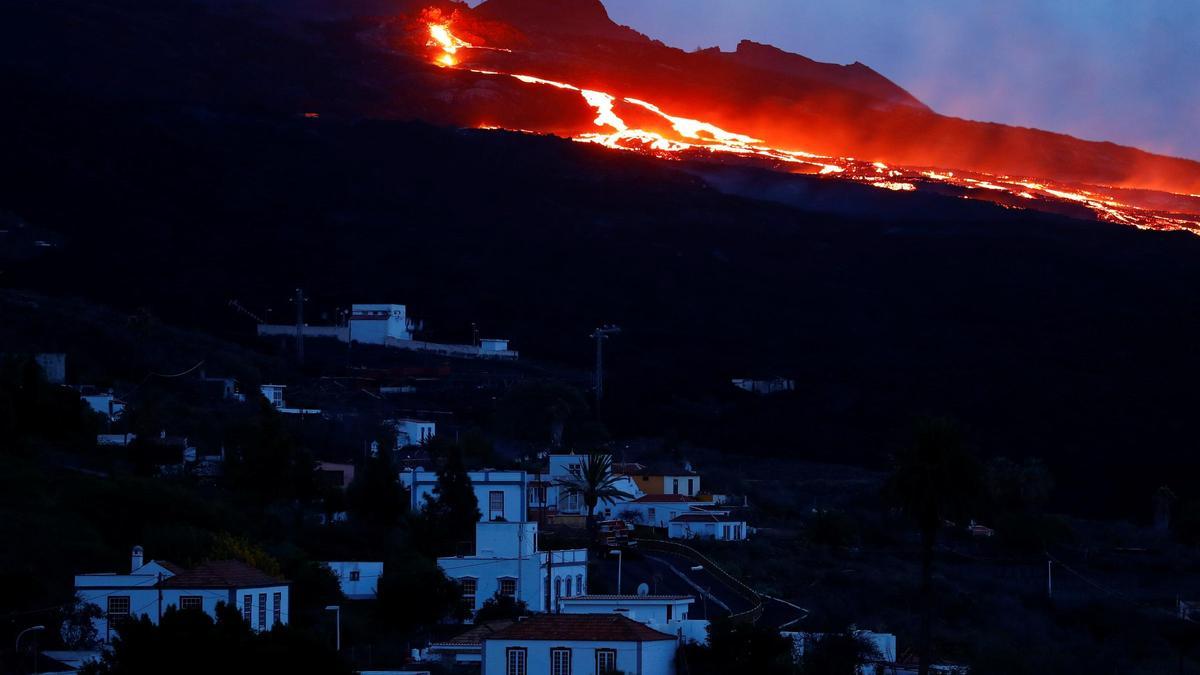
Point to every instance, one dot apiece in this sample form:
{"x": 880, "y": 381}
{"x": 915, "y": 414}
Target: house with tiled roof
{"x": 664, "y": 613}
{"x": 466, "y": 647}
{"x": 150, "y": 588}
{"x": 554, "y": 644}
{"x": 708, "y": 524}
{"x": 657, "y": 510}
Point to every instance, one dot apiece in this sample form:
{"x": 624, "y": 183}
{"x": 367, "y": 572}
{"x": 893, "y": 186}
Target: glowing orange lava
{"x": 694, "y": 139}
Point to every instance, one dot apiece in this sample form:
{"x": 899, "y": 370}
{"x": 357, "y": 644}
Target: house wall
{"x": 656, "y": 514}
{"x": 646, "y": 658}
{"x": 717, "y": 531}
{"x": 511, "y": 485}
{"x": 368, "y": 578}
{"x": 374, "y": 324}
{"x": 642, "y": 611}
{"x": 145, "y": 599}
{"x": 530, "y": 570}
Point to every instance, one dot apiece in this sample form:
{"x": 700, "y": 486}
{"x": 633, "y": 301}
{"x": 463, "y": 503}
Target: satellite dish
{"x": 643, "y": 589}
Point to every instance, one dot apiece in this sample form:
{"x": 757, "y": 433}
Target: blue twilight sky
{"x": 1120, "y": 70}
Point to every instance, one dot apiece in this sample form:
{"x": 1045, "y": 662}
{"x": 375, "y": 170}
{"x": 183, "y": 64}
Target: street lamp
{"x": 620, "y": 562}
{"x": 17, "y": 646}
{"x": 338, "y": 619}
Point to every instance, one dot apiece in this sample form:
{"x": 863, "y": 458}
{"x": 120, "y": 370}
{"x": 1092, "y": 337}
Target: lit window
{"x": 277, "y": 609}
{"x": 191, "y": 602}
{"x": 508, "y": 588}
{"x": 469, "y": 587}
{"x": 606, "y": 661}
{"x": 247, "y": 608}
{"x": 515, "y": 661}
{"x": 262, "y": 611}
{"x": 118, "y": 608}
{"x": 560, "y": 661}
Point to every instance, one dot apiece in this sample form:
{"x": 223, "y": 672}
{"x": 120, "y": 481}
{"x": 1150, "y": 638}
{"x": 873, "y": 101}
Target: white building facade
{"x": 358, "y": 580}
{"x": 376, "y": 324}
{"x": 664, "y": 613}
{"x": 578, "y": 644}
{"x": 500, "y": 494}
{"x": 717, "y": 526}
{"x": 658, "y": 510}
{"x": 413, "y": 432}
{"x": 152, "y": 587}
{"x": 507, "y": 562}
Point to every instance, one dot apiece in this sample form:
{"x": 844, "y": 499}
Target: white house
{"x": 664, "y": 613}
{"x": 104, "y": 403}
{"x": 151, "y": 587}
{"x": 884, "y": 643}
{"x": 507, "y": 562}
{"x": 493, "y": 345}
{"x": 658, "y": 510}
{"x": 501, "y": 494}
{"x": 717, "y": 525}
{"x": 274, "y": 395}
{"x": 358, "y": 580}
{"x": 560, "y": 502}
{"x": 412, "y": 432}
{"x": 375, "y": 324}
{"x": 578, "y": 644}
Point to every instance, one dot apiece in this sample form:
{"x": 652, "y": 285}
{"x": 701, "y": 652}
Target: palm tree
{"x": 594, "y": 481}
{"x": 936, "y": 479}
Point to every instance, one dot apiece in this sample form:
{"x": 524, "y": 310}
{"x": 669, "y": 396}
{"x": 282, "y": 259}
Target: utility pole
{"x": 600, "y": 335}
{"x": 1049, "y": 579}
{"x": 299, "y": 325}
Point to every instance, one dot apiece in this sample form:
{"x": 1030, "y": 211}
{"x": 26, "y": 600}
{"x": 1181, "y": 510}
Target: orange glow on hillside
{"x": 678, "y": 137}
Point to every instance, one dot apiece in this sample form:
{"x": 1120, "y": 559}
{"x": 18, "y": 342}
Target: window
{"x": 118, "y": 608}
{"x": 560, "y": 661}
{"x": 495, "y": 505}
{"x": 355, "y": 575}
{"x": 579, "y": 584}
{"x": 262, "y": 611}
{"x": 675, "y": 486}
{"x": 606, "y": 661}
{"x": 277, "y": 608}
{"x": 557, "y": 587}
{"x": 508, "y": 588}
{"x": 469, "y": 587}
{"x": 247, "y": 608}
{"x": 537, "y": 495}
{"x": 670, "y": 613}
{"x": 691, "y": 489}
{"x": 650, "y": 516}
{"x": 514, "y": 661}
{"x": 569, "y": 587}
{"x": 191, "y": 602}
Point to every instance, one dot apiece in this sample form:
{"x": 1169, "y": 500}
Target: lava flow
{"x": 676, "y": 137}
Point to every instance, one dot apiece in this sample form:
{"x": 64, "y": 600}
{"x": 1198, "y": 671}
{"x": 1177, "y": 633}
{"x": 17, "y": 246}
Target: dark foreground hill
{"x": 1046, "y": 336}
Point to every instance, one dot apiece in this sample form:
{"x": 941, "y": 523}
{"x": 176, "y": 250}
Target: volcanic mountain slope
{"x": 785, "y": 100}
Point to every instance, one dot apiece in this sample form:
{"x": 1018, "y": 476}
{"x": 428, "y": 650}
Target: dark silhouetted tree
{"x": 936, "y": 479}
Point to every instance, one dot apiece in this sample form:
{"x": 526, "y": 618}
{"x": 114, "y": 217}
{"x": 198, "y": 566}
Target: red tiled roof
{"x": 581, "y": 627}
{"x": 706, "y": 518}
{"x": 675, "y": 499}
{"x": 474, "y": 637}
{"x": 222, "y": 574}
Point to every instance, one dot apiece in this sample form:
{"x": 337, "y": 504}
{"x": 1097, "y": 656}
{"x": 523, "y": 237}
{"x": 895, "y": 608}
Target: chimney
{"x": 136, "y": 558}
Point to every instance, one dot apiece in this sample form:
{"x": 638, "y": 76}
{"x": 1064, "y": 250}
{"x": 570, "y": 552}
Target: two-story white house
{"x": 578, "y": 644}
{"x": 151, "y": 587}
{"x": 501, "y": 494}
{"x": 358, "y": 580}
{"x": 507, "y": 562}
